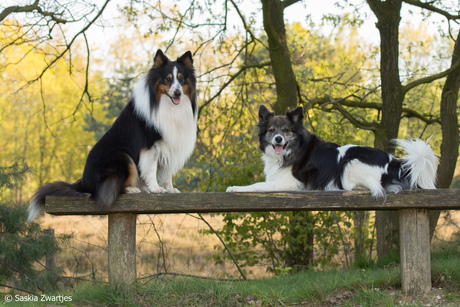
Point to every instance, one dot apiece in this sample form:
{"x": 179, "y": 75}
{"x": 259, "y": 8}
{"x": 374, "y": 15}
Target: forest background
{"x": 68, "y": 68}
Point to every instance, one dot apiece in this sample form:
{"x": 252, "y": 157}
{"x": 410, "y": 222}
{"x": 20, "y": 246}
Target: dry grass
{"x": 448, "y": 228}
{"x": 165, "y": 243}
{"x": 171, "y": 243}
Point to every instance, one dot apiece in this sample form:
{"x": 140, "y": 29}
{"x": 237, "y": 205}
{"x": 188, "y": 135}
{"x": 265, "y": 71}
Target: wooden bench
{"x": 413, "y": 207}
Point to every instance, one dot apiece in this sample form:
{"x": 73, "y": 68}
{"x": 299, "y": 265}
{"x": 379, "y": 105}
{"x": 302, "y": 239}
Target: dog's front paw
{"x": 172, "y": 190}
{"x": 236, "y": 189}
{"x": 157, "y": 190}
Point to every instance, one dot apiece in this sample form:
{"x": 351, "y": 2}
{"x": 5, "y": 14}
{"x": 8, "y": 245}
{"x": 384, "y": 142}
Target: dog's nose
{"x": 177, "y": 92}
{"x": 278, "y": 139}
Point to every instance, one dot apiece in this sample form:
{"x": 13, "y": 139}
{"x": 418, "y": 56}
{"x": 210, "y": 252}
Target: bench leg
{"x": 122, "y": 249}
{"x": 414, "y": 236}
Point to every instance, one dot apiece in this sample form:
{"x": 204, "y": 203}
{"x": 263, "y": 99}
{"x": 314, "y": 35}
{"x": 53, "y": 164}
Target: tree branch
{"x": 375, "y": 6}
{"x": 429, "y": 119}
{"x": 225, "y": 245}
{"x": 268, "y": 26}
{"x": 232, "y": 77}
{"x": 336, "y": 104}
{"x": 246, "y": 27}
{"x": 59, "y": 56}
{"x": 30, "y": 8}
{"x": 429, "y": 79}
{"x": 339, "y": 103}
{"x": 287, "y": 3}
{"x": 354, "y": 121}
{"x": 428, "y": 6}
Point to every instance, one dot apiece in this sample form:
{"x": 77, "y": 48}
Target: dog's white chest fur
{"x": 177, "y": 126}
{"x": 277, "y": 177}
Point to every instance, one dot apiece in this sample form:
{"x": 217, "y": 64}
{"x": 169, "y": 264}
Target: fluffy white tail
{"x": 420, "y": 162}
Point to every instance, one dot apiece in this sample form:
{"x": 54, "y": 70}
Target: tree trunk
{"x": 286, "y": 85}
{"x": 449, "y": 127}
{"x": 300, "y": 252}
{"x": 361, "y": 224}
{"x": 388, "y": 16}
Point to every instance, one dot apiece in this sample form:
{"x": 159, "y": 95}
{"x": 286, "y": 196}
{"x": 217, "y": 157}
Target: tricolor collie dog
{"x": 296, "y": 159}
{"x": 148, "y": 143}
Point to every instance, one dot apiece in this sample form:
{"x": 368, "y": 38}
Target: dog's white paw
{"x": 236, "y": 189}
{"x": 172, "y": 190}
{"x": 157, "y": 190}
{"x": 132, "y": 190}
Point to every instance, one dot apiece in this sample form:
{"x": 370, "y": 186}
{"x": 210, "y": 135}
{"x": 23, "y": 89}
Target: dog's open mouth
{"x": 279, "y": 148}
{"x": 175, "y": 99}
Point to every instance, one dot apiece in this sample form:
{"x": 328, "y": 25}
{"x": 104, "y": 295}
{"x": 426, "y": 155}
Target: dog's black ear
{"x": 295, "y": 115}
{"x": 160, "y": 59}
{"x": 264, "y": 113}
{"x": 186, "y": 59}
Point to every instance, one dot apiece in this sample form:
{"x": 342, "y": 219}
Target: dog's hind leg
{"x": 132, "y": 183}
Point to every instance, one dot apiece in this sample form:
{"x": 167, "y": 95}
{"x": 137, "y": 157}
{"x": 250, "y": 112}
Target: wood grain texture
{"x": 122, "y": 249}
{"x": 414, "y": 236}
{"x": 252, "y": 202}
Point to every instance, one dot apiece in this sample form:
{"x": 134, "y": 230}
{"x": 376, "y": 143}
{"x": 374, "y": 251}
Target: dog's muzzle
{"x": 278, "y": 144}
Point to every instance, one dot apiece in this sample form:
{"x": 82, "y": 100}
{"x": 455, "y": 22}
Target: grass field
{"x": 175, "y": 244}
{"x": 377, "y": 286}
{"x": 354, "y": 287}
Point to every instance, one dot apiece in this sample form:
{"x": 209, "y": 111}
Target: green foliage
{"x": 113, "y": 100}
{"x": 446, "y": 265}
{"x": 22, "y": 248}
{"x": 267, "y": 239}
{"x": 38, "y": 118}
{"x": 11, "y": 175}
{"x": 23, "y": 245}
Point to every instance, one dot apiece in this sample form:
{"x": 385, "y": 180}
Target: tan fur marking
{"x": 187, "y": 90}
{"x": 161, "y": 89}
{"x": 133, "y": 177}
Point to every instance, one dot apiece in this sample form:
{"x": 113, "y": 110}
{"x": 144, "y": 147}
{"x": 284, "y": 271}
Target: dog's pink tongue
{"x": 278, "y": 149}
{"x": 176, "y": 100}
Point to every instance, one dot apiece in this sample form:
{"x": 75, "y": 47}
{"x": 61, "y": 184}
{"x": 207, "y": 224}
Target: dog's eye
{"x": 168, "y": 78}
{"x": 285, "y": 129}
{"x": 271, "y": 130}
{"x": 180, "y": 78}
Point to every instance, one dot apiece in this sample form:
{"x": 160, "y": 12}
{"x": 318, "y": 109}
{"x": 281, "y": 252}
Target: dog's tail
{"x": 108, "y": 191}
{"x": 419, "y": 163}
{"x": 58, "y": 188}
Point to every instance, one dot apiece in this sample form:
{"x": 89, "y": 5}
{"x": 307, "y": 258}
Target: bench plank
{"x": 252, "y": 202}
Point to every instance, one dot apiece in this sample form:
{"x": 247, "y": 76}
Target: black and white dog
{"x": 296, "y": 159}
{"x": 148, "y": 143}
